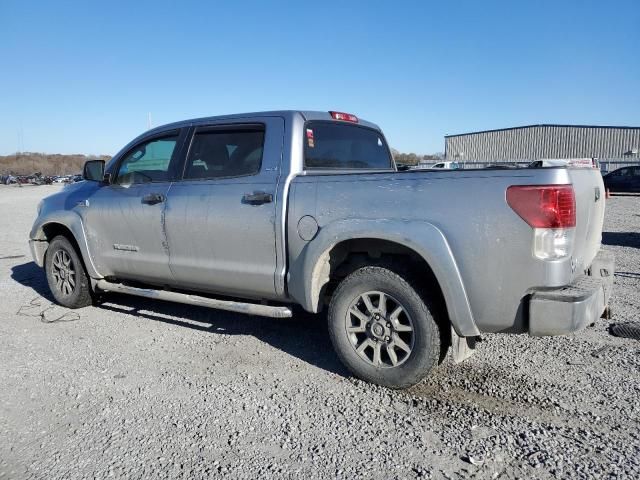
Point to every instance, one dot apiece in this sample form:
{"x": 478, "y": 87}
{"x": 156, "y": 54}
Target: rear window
{"x": 329, "y": 145}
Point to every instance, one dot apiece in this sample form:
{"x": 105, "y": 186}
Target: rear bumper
{"x": 571, "y": 308}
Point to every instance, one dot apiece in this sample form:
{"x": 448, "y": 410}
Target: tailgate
{"x": 590, "y": 198}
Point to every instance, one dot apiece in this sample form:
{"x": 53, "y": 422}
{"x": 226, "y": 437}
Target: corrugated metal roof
{"x": 534, "y": 142}
{"x": 539, "y": 125}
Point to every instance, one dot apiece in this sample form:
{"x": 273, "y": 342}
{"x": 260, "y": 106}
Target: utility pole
{"x": 19, "y": 146}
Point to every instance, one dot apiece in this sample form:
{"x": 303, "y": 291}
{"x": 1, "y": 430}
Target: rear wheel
{"x": 382, "y": 329}
{"x": 67, "y": 279}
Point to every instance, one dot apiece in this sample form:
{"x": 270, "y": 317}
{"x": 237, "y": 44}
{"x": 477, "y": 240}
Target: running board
{"x": 239, "y": 307}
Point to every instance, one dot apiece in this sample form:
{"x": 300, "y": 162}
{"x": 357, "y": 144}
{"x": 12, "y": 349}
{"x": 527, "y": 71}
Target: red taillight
{"x": 346, "y": 117}
{"x": 544, "y": 206}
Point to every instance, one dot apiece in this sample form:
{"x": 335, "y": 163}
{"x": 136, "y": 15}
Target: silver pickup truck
{"x": 257, "y": 212}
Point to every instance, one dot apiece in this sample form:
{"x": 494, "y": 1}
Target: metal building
{"x": 534, "y": 142}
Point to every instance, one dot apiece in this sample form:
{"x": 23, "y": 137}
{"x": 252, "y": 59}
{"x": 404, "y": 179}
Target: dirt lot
{"x": 140, "y": 389}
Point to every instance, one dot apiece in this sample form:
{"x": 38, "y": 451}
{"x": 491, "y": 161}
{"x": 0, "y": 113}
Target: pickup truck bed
{"x": 480, "y": 240}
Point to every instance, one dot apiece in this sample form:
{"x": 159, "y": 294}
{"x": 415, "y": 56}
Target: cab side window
{"x": 148, "y": 162}
{"x": 225, "y": 153}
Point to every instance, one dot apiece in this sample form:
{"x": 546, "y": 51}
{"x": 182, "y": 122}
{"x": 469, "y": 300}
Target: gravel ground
{"x": 141, "y": 389}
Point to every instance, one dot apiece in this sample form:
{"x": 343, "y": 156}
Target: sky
{"x": 82, "y": 77}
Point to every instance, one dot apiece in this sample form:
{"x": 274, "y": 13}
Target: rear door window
{"x": 225, "y": 153}
{"x": 330, "y": 145}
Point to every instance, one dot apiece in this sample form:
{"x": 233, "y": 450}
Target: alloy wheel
{"x": 380, "y": 329}
{"x": 63, "y": 272}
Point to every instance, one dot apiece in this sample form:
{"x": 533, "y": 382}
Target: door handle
{"x": 153, "y": 198}
{"x": 257, "y": 198}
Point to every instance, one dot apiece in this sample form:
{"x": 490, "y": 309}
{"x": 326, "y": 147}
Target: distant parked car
{"x": 625, "y": 179}
{"x": 73, "y": 178}
{"x": 440, "y": 165}
{"x": 448, "y": 165}
{"x": 8, "y": 180}
{"x": 566, "y": 162}
{"x": 502, "y": 166}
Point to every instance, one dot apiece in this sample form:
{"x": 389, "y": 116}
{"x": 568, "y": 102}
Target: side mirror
{"x": 93, "y": 170}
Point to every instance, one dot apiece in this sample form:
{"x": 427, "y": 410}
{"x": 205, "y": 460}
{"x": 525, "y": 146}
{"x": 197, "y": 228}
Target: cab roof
{"x": 286, "y": 114}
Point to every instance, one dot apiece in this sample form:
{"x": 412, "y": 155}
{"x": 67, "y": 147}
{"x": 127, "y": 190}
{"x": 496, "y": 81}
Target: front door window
{"x": 148, "y": 162}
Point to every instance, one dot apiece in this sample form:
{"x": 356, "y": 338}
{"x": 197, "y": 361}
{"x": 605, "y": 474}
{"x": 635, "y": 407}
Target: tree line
{"x": 414, "y": 158}
{"x": 27, "y": 163}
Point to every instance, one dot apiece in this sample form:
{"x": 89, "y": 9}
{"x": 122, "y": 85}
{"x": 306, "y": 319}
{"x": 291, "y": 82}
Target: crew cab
{"x": 258, "y": 212}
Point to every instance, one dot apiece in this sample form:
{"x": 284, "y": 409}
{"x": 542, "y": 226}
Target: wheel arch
{"x": 69, "y": 225}
{"x": 421, "y": 243}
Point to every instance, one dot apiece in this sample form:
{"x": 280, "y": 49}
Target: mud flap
{"x": 462, "y": 347}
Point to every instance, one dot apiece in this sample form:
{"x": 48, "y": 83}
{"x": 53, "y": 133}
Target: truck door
{"x": 220, "y": 217}
{"x": 124, "y": 220}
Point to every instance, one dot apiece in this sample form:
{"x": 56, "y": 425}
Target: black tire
{"x": 66, "y": 276}
{"x": 381, "y": 333}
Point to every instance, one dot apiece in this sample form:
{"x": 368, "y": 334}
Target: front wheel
{"x": 382, "y": 329}
{"x": 67, "y": 279}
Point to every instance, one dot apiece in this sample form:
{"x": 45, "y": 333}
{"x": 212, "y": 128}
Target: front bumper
{"x": 38, "y": 249}
{"x": 567, "y": 309}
